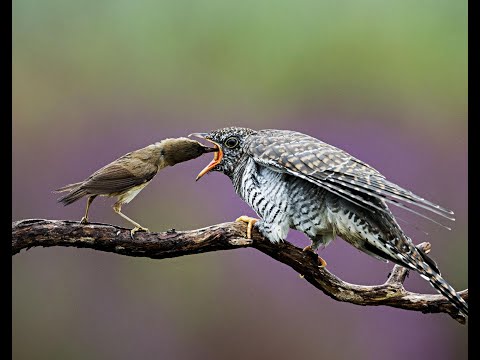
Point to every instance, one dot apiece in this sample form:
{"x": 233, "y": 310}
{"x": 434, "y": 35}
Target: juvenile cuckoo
{"x": 129, "y": 174}
{"x": 295, "y": 181}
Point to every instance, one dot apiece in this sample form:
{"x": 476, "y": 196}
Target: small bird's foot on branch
{"x": 308, "y": 249}
{"x": 84, "y": 220}
{"x": 138, "y": 228}
{"x": 250, "y": 222}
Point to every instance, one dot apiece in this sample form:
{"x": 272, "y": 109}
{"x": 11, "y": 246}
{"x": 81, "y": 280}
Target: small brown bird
{"x": 129, "y": 174}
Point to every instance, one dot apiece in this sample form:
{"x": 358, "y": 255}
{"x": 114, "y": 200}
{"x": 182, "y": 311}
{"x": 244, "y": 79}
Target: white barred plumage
{"x": 293, "y": 180}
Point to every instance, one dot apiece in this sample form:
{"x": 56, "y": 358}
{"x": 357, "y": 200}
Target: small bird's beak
{"x": 209, "y": 149}
{"x": 217, "y": 156}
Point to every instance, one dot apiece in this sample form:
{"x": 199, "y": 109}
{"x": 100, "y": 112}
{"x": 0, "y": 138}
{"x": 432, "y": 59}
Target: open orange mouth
{"x": 217, "y": 155}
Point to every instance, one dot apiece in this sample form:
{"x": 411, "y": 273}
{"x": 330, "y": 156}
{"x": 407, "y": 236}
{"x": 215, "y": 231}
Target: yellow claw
{"x": 138, "y": 228}
{"x": 322, "y": 262}
{"x": 250, "y": 222}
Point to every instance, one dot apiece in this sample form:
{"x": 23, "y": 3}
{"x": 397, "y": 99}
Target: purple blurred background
{"x": 385, "y": 81}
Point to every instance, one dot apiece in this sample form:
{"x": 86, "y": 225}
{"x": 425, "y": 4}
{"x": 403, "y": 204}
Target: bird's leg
{"x": 311, "y": 249}
{"x": 250, "y": 222}
{"x": 117, "y": 207}
{"x": 89, "y": 201}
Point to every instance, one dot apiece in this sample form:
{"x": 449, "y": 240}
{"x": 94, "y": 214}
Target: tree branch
{"x": 227, "y": 236}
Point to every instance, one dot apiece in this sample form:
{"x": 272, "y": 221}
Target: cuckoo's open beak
{"x": 217, "y": 155}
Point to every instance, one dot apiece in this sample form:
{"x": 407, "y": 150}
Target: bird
{"x": 126, "y": 176}
{"x": 296, "y": 181}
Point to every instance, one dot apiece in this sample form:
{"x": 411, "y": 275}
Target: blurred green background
{"x": 92, "y": 80}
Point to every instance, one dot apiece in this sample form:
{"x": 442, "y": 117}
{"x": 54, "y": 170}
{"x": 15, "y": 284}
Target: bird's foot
{"x": 84, "y": 220}
{"x": 308, "y": 249}
{"x": 137, "y": 228}
{"x": 250, "y": 222}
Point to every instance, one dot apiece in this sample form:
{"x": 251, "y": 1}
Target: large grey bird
{"x": 295, "y": 181}
{"x": 126, "y": 176}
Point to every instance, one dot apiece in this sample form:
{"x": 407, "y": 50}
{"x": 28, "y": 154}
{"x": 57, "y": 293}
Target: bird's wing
{"x": 115, "y": 178}
{"x": 333, "y": 169}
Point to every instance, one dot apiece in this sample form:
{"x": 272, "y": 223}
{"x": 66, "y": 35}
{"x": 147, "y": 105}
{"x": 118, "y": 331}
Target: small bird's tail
{"x": 68, "y": 187}
{"x": 76, "y": 193}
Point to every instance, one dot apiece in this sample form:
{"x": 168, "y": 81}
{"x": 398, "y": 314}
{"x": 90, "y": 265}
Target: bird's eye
{"x": 231, "y": 142}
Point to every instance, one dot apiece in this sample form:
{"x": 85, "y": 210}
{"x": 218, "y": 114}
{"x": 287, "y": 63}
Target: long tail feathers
{"x": 446, "y": 290}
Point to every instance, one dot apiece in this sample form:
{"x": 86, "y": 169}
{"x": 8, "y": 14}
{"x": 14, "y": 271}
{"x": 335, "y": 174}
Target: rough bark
{"x": 227, "y": 236}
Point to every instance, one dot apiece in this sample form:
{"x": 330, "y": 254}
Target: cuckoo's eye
{"x": 231, "y": 142}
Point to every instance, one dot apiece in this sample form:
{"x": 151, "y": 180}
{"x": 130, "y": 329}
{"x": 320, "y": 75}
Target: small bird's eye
{"x": 231, "y": 142}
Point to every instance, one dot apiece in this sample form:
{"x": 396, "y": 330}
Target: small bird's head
{"x": 229, "y": 142}
{"x": 182, "y": 149}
